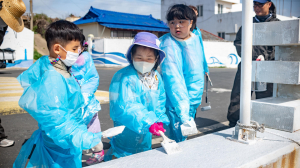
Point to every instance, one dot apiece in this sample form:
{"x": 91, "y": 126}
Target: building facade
{"x": 220, "y": 17}
{"x": 106, "y": 24}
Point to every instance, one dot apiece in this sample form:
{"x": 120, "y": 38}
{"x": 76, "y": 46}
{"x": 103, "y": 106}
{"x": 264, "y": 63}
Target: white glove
{"x": 189, "y": 128}
{"x": 260, "y": 58}
{"x": 113, "y": 131}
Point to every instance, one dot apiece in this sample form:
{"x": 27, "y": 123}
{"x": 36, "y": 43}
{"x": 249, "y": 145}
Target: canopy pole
{"x": 245, "y": 130}
{"x": 247, "y": 33}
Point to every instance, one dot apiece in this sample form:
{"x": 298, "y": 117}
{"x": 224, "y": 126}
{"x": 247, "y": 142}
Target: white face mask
{"x": 143, "y": 67}
{"x": 71, "y": 57}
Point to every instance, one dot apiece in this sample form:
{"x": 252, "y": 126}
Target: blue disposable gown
{"x": 85, "y": 72}
{"x": 183, "y": 74}
{"x": 137, "y": 108}
{"x": 56, "y": 104}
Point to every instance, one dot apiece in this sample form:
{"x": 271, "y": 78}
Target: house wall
{"x": 216, "y": 53}
{"x": 230, "y": 1}
{"x": 156, "y": 33}
{"x": 227, "y": 7}
{"x": 229, "y": 21}
{"x": 226, "y": 22}
{"x": 106, "y": 32}
{"x": 19, "y": 42}
{"x": 95, "y": 29}
{"x": 116, "y": 45}
{"x": 208, "y": 8}
{"x": 89, "y": 28}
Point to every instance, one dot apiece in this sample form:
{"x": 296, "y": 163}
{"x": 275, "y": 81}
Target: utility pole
{"x": 283, "y": 8}
{"x": 31, "y": 16}
{"x": 278, "y": 6}
{"x": 291, "y": 8}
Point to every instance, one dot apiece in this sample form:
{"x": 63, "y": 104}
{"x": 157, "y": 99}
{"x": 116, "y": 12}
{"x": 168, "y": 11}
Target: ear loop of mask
{"x": 63, "y": 48}
{"x": 79, "y": 50}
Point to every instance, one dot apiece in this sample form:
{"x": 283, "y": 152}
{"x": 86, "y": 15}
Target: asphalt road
{"x": 19, "y": 127}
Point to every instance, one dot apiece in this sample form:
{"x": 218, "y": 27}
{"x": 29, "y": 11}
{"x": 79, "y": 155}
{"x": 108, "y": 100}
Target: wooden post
{"x": 31, "y": 16}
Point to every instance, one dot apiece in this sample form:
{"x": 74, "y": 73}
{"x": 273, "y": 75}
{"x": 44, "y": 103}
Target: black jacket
{"x": 2, "y": 33}
{"x": 267, "y": 51}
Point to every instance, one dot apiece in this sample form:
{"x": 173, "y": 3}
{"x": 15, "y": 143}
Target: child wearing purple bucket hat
{"x": 137, "y": 98}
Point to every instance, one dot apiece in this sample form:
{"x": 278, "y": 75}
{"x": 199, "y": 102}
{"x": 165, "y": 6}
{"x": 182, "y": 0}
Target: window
{"x": 114, "y": 33}
{"x": 120, "y": 33}
{"x": 133, "y": 33}
{"x": 161, "y": 34}
{"x": 220, "y": 9}
{"x": 127, "y": 33}
{"x": 221, "y": 34}
{"x": 200, "y": 10}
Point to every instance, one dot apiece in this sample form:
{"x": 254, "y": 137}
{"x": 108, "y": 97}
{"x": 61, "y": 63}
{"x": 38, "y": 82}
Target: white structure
{"x": 22, "y": 43}
{"x": 214, "y": 151}
{"x": 105, "y": 52}
{"x": 103, "y": 23}
{"x": 282, "y": 111}
{"x": 220, "y": 17}
{"x": 72, "y": 18}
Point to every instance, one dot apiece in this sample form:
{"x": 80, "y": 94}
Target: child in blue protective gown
{"x": 182, "y": 71}
{"x": 86, "y": 74}
{"x": 137, "y": 98}
{"x": 52, "y": 96}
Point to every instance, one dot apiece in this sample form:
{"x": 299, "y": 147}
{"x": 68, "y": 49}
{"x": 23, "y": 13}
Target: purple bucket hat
{"x": 148, "y": 40}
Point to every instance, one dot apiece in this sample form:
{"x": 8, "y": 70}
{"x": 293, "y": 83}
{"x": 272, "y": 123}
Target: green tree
{"x": 36, "y": 55}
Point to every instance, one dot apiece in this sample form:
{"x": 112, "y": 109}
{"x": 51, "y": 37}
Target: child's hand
{"x": 156, "y": 127}
{"x": 161, "y": 124}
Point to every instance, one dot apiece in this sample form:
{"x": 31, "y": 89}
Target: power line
{"x": 76, "y": 5}
{"x": 50, "y": 8}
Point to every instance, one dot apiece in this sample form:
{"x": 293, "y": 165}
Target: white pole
{"x": 90, "y": 46}
{"x": 90, "y": 42}
{"x": 247, "y": 31}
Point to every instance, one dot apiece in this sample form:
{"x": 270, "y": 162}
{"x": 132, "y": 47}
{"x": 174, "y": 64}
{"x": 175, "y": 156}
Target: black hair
{"x": 156, "y": 54}
{"x": 273, "y": 9}
{"x": 84, "y": 44}
{"x": 62, "y": 32}
{"x": 181, "y": 11}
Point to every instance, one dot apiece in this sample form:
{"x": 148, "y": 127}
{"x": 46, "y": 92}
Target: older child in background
{"x": 52, "y": 96}
{"x": 196, "y": 30}
{"x": 137, "y": 98}
{"x": 182, "y": 71}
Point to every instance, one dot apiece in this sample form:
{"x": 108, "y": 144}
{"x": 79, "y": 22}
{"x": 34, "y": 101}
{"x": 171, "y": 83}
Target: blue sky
{"x": 62, "y": 8}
